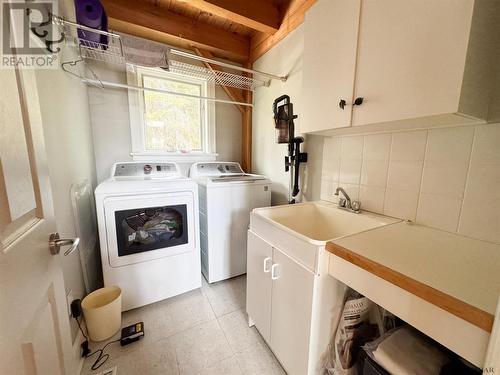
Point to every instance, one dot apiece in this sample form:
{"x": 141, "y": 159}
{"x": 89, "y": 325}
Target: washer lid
{"x": 238, "y": 178}
{"x": 215, "y": 169}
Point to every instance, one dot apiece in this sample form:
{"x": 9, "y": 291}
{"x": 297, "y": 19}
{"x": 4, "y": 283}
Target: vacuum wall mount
{"x": 285, "y": 133}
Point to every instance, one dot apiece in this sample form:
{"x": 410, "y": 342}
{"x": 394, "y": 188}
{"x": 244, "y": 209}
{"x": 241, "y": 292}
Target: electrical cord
{"x": 102, "y": 357}
{"x": 81, "y": 330}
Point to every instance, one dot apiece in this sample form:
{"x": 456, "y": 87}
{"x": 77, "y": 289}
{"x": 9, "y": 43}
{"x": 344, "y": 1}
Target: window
{"x": 169, "y": 125}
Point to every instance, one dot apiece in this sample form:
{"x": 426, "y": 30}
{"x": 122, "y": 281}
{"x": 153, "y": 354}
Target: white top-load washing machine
{"x": 149, "y": 232}
{"x": 227, "y": 196}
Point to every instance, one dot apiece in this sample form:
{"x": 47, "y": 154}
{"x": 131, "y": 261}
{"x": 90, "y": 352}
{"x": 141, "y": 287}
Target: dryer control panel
{"x": 138, "y": 170}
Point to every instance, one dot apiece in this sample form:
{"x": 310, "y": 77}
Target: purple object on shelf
{"x": 91, "y": 13}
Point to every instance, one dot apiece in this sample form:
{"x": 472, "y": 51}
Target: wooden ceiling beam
{"x": 260, "y": 15}
{"x": 294, "y": 16}
{"x": 156, "y": 23}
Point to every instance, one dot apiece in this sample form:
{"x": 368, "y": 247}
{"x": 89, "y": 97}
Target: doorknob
{"x": 55, "y": 243}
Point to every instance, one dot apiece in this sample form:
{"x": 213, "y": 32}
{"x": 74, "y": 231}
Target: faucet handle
{"x": 355, "y": 205}
{"x": 342, "y": 202}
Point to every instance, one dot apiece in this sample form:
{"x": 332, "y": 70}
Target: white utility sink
{"x": 319, "y": 221}
{"x": 302, "y": 230}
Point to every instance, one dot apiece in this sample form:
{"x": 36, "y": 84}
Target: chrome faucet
{"x": 346, "y": 203}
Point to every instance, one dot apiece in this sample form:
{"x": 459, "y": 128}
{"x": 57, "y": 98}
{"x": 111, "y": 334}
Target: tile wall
{"x": 445, "y": 178}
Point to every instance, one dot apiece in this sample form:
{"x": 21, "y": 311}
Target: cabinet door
{"x": 259, "y": 283}
{"x": 291, "y": 313}
{"x": 411, "y": 58}
{"x": 330, "y": 41}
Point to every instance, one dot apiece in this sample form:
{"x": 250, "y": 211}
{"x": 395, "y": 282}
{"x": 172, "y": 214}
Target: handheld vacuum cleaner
{"x": 285, "y": 129}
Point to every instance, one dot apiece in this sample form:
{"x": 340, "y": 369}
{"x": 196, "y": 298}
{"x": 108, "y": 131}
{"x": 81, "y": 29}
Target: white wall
{"x": 68, "y": 139}
{"x": 109, "y": 112}
{"x": 267, "y": 156}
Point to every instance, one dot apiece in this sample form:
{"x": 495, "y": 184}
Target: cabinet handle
{"x": 342, "y": 104}
{"x": 266, "y": 269}
{"x": 358, "y": 101}
{"x": 273, "y": 274}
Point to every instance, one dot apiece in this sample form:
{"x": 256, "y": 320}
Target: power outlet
{"x": 69, "y": 299}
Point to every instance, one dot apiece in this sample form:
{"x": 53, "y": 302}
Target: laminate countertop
{"x": 458, "y": 274}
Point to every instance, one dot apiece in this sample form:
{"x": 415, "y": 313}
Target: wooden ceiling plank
{"x": 126, "y": 15}
{"x": 260, "y": 15}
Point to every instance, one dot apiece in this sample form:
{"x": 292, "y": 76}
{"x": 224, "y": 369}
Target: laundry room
{"x": 250, "y": 187}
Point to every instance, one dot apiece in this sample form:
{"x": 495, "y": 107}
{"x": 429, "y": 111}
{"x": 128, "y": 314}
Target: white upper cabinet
{"x": 393, "y": 61}
{"x": 411, "y": 58}
{"x": 331, "y": 34}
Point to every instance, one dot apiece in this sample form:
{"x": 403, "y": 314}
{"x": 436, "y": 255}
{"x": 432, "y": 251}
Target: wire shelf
{"x": 109, "y": 53}
{"x": 215, "y": 76}
{"x": 112, "y": 52}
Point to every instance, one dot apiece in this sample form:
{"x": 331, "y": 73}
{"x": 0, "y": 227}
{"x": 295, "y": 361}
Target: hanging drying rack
{"x": 113, "y": 53}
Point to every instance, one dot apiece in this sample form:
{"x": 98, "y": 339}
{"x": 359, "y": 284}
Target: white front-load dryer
{"x": 149, "y": 232}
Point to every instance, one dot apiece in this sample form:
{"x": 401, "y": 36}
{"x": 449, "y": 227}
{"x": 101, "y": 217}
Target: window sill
{"x": 173, "y": 156}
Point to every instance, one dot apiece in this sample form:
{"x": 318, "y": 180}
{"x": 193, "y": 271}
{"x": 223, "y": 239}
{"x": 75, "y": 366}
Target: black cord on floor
{"x": 102, "y": 357}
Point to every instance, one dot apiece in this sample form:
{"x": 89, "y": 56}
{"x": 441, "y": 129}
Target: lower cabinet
{"x": 279, "y": 302}
{"x": 259, "y": 263}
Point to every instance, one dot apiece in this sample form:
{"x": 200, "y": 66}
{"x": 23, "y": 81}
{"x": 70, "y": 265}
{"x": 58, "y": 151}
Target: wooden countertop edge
{"x": 463, "y": 310}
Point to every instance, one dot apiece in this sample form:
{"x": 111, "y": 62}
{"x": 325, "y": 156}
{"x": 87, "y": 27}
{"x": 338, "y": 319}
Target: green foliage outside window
{"x": 172, "y": 122}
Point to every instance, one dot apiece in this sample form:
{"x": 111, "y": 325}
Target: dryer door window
{"x": 147, "y": 229}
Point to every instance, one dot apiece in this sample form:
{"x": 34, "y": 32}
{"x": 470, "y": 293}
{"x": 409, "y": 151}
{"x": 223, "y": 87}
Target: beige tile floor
{"x": 201, "y": 332}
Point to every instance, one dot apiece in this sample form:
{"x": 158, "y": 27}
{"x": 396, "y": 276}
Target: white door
{"x": 411, "y": 58}
{"x": 259, "y": 283}
{"x": 330, "y": 45}
{"x": 292, "y": 293}
{"x": 35, "y": 334}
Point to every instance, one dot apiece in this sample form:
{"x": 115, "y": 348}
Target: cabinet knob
{"x": 342, "y": 104}
{"x": 358, "y": 101}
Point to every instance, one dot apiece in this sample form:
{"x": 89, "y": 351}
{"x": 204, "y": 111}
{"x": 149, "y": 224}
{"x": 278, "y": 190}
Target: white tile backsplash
{"x": 377, "y": 147}
{"x": 439, "y": 211}
{"x": 374, "y": 173}
{"x": 331, "y": 149}
{"x": 481, "y": 205}
{"x": 405, "y": 175}
{"x": 450, "y": 144}
{"x": 350, "y": 171}
{"x": 408, "y": 146}
{"x": 352, "y": 148}
{"x": 400, "y": 203}
{"x": 445, "y": 178}
{"x": 486, "y": 143}
{"x": 372, "y": 197}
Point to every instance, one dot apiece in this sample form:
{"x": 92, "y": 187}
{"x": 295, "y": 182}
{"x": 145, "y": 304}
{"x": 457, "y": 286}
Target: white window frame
{"x": 137, "y": 123}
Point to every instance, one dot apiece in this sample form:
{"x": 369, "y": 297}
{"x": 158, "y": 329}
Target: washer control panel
{"x": 216, "y": 169}
{"x": 135, "y": 170}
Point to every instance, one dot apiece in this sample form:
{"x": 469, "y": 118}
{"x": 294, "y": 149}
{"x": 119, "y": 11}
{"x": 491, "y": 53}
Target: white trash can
{"x": 102, "y": 310}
